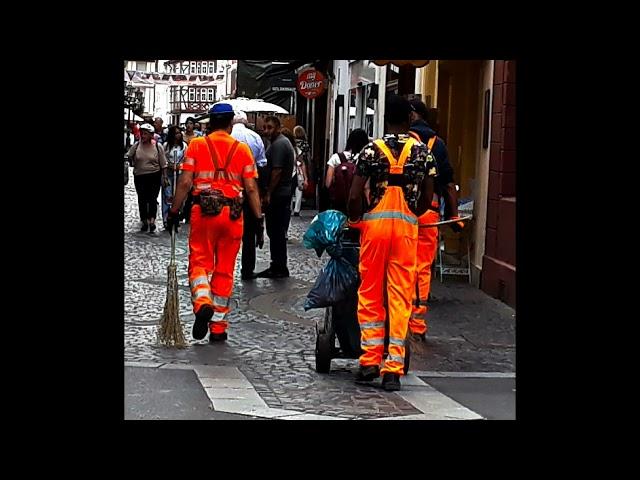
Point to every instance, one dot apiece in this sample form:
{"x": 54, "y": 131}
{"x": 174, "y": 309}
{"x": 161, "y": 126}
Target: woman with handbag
{"x": 149, "y": 170}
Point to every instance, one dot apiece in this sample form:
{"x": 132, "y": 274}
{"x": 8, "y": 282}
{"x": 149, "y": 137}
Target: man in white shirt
{"x": 243, "y": 134}
{"x": 252, "y": 233}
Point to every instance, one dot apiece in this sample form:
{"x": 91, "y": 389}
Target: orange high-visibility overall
{"x": 219, "y": 162}
{"x": 427, "y": 249}
{"x": 388, "y": 242}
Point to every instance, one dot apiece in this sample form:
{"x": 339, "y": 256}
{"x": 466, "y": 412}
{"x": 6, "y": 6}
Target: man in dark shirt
{"x": 444, "y": 185}
{"x": 277, "y": 198}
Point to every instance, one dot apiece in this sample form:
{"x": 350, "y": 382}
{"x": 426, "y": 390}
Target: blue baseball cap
{"x": 221, "y": 109}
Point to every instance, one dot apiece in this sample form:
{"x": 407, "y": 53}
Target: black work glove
{"x": 457, "y": 226}
{"x": 173, "y": 220}
{"x": 260, "y": 232}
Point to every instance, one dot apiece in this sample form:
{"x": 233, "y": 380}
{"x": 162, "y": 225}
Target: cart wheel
{"x": 325, "y": 343}
{"x": 407, "y": 356}
{"x": 324, "y": 350}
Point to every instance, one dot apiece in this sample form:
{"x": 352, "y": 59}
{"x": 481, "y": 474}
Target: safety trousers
{"x": 388, "y": 243}
{"x": 427, "y": 249}
{"x": 214, "y": 243}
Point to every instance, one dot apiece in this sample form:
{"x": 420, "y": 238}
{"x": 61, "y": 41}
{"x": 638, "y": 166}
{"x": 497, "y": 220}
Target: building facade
{"x": 177, "y": 89}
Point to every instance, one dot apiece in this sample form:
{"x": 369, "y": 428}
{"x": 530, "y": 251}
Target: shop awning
{"x": 400, "y": 63}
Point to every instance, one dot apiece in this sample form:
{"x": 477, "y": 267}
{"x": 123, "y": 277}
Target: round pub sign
{"x": 311, "y": 83}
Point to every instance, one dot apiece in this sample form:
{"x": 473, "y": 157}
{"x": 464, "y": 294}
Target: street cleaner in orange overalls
{"x": 219, "y": 168}
{"x": 401, "y": 187}
{"x": 445, "y": 189}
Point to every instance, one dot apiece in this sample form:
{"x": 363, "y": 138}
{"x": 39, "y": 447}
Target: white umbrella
{"x": 251, "y": 105}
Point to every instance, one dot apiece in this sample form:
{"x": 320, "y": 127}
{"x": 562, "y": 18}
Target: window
{"x": 211, "y": 68}
{"x": 192, "y": 66}
{"x": 192, "y": 94}
{"x": 141, "y": 66}
{"x": 210, "y": 95}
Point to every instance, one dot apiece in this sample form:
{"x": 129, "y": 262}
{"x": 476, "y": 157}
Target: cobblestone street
{"x": 271, "y": 338}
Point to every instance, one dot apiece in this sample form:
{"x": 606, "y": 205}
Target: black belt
{"x": 224, "y": 200}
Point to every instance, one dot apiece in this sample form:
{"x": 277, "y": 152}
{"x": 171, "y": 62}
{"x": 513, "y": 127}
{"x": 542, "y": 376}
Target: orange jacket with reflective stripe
{"x": 199, "y": 159}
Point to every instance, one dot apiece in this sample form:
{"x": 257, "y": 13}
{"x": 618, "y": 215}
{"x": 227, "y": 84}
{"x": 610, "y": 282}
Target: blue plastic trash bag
{"x": 325, "y": 230}
{"x": 336, "y": 282}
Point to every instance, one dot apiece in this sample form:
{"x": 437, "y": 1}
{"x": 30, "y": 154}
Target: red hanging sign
{"x": 311, "y": 83}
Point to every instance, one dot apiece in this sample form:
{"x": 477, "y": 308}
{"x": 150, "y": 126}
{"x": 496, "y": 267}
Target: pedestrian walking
{"x": 220, "y": 169}
{"x": 401, "y": 180}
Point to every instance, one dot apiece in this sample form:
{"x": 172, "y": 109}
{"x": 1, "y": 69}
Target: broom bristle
{"x": 170, "y": 329}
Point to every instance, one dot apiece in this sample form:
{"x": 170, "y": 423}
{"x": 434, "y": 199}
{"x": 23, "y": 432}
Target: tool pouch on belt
{"x": 235, "y": 209}
{"x": 211, "y": 202}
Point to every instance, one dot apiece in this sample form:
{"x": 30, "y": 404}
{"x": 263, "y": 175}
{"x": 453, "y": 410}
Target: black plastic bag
{"x": 337, "y": 280}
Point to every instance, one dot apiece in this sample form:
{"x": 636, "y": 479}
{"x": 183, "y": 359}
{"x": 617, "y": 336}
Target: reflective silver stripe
{"x": 205, "y": 174}
{"x": 233, "y": 176}
{"x": 390, "y": 215}
{"x": 249, "y": 168}
{"x": 396, "y": 341}
{"x": 372, "y": 341}
{"x": 203, "y": 292}
{"x": 218, "y": 316}
{"x": 201, "y": 280}
{"x": 366, "y": 325}
{"x": 189, "y": 161}
{"x": 221, "y": 301}
{"x": 213, "y": 174}
{"x": 395, "y": 358}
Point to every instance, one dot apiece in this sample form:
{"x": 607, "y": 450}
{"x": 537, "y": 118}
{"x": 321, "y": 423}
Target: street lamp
{"x": 133, "y": 101}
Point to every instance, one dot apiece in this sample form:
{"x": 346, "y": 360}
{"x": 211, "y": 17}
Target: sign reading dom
{"x": 311, "y": 83}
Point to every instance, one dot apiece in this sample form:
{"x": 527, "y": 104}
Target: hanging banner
{"x": 311, "y": 83}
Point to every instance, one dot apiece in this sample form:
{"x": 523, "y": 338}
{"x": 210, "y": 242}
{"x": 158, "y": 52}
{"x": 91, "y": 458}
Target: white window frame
{"x": 210, "y": 95}
{"x": 191, "y": 94}
{"x": 192, "y": 68}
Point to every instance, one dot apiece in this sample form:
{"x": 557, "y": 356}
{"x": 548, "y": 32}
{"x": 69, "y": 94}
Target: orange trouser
{"x": 388, "y": 242}
{"x": 214, "y": 242}
{"x": 427, "y": 248}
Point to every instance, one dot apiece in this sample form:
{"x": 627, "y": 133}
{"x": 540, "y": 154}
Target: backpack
{"x": 343, "y": 176}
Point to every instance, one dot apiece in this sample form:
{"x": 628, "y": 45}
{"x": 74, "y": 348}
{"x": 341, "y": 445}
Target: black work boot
{"x": 201, "y": 325}
{"x": 391, "y": 381}
{"x": 217, "y": 337}
{"x": 367, "y": 373}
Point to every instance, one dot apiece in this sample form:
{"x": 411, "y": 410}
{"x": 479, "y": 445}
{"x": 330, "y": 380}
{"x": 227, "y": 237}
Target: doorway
{"x": 458, "y": 120}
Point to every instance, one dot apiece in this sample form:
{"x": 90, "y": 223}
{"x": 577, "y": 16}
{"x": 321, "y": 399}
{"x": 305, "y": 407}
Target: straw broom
{"x": 170, "y": 329}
